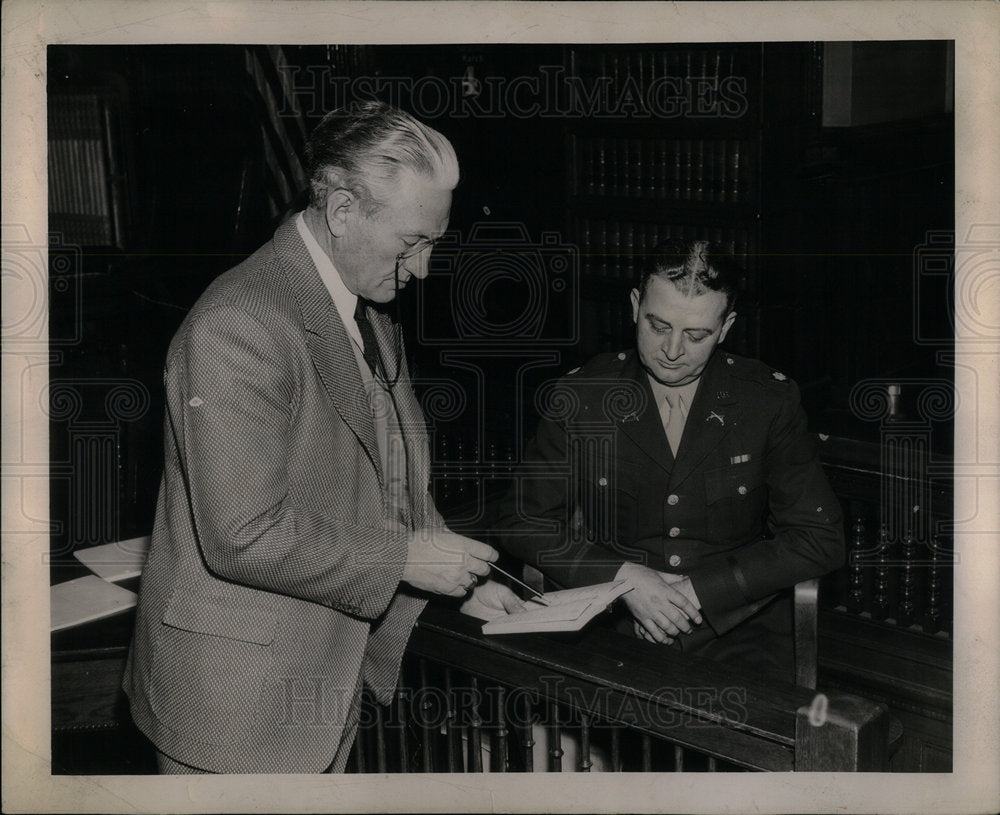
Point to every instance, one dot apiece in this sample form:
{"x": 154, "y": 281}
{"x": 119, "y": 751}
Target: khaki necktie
{"x": 673, "y": 412}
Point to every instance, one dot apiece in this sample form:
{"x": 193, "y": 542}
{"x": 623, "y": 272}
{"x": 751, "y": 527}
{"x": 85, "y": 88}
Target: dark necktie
{"x": 367, "y": 336}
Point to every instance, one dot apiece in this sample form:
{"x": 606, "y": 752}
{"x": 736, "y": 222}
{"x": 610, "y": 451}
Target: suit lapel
{"x": 645, "y": 428}
{"x": 712, "y": 416}
{"x": 327, "y": 339}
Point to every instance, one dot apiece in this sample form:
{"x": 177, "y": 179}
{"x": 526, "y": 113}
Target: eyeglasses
{"x": 420, "y": 246}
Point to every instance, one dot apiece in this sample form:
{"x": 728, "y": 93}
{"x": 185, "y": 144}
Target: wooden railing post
{"x": 842, "y": 733}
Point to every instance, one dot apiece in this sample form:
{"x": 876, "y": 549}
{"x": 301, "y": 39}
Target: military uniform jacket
{"x": 744, "y": 510}
{"x": 272, "y": 584}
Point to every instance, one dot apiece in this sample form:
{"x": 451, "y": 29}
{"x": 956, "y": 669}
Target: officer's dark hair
{"x": 694, "y": 267}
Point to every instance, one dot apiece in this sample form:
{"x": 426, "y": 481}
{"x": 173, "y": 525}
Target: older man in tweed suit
{"x": 295, "y": 541}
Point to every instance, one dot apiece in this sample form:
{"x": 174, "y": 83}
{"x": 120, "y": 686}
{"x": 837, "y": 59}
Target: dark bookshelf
{"x": 673, "y": 151}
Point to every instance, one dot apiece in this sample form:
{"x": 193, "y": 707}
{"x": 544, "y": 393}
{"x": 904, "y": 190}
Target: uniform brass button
{"x": 674, "y": 532}
{"x": 742, "y": 490}
{"x": 672, "y": 500}
{"x": 675, "y": 560}
{"x": 602, "y": 481}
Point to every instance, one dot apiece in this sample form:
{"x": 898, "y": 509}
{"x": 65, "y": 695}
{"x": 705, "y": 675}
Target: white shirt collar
{"x": 343, "y": 298}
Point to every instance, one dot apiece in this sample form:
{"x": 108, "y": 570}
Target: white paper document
{"x": 87, "y": 598}
{"x": 116, "y": 561}
{"x": 568, "y": 610}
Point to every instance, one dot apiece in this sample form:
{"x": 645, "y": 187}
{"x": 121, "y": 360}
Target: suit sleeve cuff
{"x": 720, "y": 589}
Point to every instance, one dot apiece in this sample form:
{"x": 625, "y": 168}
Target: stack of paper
{"x": 93, "y": 597}
{"x": 87, "y": 598}
{"x": 116, "y": 561}
{"x": 568, "y": 610}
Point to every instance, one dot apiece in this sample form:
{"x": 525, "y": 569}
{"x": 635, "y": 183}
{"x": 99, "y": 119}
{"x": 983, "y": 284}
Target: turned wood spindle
{"x": 451, "y": 725}
{"x": 360, "y": 765}
{"x": 933, "y": 612}
{"x": 906, "y": 613}
{"x": 527, "y": 736}
{"x": 647, "y": 753}
{"x": 616, "y": 749}
{"x": 475, "y": 731}
{"x": 491, "y": 457}
{"x": 426, "y": 743}
{"x": 508, "y": 458}
{"x": 404, "y": 747}
{"x": 678, "y": 759}
{"x": 501, "y": 761}
{"x": 585, "y": 761}
{"x": 380, "y": 751}
{"x": 880, "y": 602}
{"x": 856, "y": 585}
{"x": 555, "y": 740}
{"x": 446, "y": 481}
{"x": 460, "y": 456}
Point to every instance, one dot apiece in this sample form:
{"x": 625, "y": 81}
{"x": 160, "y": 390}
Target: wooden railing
{"x": 886, "y": 618}
{"x": 466, "y": 702}
{"x": 899, "y": 537}
{"x": 600, "y": 700}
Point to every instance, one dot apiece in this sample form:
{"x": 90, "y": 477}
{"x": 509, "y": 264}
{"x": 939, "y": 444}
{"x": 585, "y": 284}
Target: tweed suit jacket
{"x": 744, "y": 510}
{"x": 272, "y": 584}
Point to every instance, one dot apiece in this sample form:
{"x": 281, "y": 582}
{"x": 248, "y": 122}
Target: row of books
{"x": 646, "y": 67}
{"x": 705, "y": 170}
{"x": 81, "y": 199}
{"x": 77, "y": 177}
{"x": 614, "y": 249}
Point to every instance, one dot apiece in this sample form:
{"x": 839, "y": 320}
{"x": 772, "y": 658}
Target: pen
{"x": 539, "y": 596}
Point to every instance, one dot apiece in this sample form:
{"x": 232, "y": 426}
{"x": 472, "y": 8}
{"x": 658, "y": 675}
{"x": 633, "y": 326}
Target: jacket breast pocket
{"x": 211, "y": 657}
{"x": 735, "y": 499}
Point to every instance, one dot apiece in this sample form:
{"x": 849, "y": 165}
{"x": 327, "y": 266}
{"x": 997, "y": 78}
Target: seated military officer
{"x": 685, "y": 470}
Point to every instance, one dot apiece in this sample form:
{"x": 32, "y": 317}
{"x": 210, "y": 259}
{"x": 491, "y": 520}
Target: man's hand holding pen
{"x": 443, "y": 562}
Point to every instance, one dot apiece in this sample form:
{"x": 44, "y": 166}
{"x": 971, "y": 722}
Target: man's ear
{"x": 634, "y": 297}
{"x": 730, "y": 318}
{"x": 340, "y": 203}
